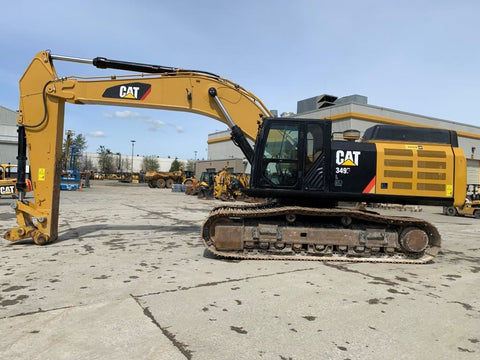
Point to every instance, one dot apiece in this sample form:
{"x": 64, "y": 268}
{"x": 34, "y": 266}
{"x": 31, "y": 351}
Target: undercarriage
{"x": 268, "y": 231}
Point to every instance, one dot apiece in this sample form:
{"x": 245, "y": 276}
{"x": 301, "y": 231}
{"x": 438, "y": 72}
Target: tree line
{"x": 110, "y": 162}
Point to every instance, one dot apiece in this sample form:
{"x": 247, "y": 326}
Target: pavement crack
{"x": 376, "y": 278}
{"x": 183, "y": 348}
{"x": 40, "y": 310}
{"x": 215, "y": 283}
{"x": 164, "y": 214}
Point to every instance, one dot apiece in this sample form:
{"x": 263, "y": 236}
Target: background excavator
{"x": 224, "y": 185}
{"x": 8, "y": 185}
{"x": 229, "y": 186}
{"x": 295, "y": 161}
{"x": 8, "y": 181}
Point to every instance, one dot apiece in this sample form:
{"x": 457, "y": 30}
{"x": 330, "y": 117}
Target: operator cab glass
{"x": 280, "y": 157}
{"x": 292, "y": 154}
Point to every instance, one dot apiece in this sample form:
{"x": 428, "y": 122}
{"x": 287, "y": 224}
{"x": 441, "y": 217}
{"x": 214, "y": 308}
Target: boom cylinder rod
{"x": 71, "y": 59}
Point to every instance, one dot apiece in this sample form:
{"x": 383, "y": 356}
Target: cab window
{"x": 280, "y": 157}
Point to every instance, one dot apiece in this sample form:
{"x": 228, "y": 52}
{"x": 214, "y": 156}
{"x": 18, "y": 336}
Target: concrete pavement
{"x": 128, "y": 279}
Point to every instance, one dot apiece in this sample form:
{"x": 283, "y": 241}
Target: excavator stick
{"x": 42, "y": 121}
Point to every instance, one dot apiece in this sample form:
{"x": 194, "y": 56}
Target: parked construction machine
{"x": 229, "y": 186}
{"x": 294, "y": 161}
{"x": 8, "y": 181}
{"x": 471, "y": 206}
{"x": 203, "y": 187}
{"x": 223, "y": 185}
{"x": 71, "y": 178}
{"x": 160, "y": 180}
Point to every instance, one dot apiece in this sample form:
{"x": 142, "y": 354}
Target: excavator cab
{"x": 288, "y": 152}
{"x": 297, "y": 160}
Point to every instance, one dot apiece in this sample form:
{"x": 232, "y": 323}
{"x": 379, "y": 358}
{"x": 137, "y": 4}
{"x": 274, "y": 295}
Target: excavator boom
{"x": 43, "y": 95}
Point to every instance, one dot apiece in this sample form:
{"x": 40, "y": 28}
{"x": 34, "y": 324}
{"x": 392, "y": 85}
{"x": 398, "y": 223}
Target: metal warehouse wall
{"x": 221, "y": 147}
{"x": 473, "y": 171}
{"x": 8, "y": 136}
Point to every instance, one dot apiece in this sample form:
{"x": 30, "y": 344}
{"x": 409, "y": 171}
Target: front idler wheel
{"x": 414, "y": 240}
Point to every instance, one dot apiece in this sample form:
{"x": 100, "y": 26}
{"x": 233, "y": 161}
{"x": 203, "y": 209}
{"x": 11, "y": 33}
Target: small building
{"x": 8, "y": 136}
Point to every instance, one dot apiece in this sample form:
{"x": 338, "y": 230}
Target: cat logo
{"x": 131, "y": 91}
{"x": 347, "y": 157}
{"x": 7, "y": 190}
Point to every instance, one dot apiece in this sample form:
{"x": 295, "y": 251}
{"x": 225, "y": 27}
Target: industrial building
{"x": 8, "y": 136}
{"x": 354, "y": 112}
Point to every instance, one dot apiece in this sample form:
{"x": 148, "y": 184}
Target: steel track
{"x": 262, "y": 211}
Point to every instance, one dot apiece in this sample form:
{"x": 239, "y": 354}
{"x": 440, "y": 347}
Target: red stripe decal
{"x": 370, "y": 186}
{"x": 146, "y": 93}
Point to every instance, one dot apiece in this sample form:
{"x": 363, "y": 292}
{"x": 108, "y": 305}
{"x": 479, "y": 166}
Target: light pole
{"x": 133, "y": 145}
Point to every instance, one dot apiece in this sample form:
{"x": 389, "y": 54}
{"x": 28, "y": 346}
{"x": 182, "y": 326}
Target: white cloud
{"x": 154, "y": 124}
{"x": 126, "y": 114}
{"x": 97, "y": 134}
{"x": 179, "y": 129}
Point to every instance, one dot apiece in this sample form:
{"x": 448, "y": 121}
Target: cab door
{"x": 316, "y": 155}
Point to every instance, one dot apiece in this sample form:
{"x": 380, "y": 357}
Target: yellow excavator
{"x": 229, "y": 186}
{"x": 8, "y": 181}
{"x": 295, "y": 162}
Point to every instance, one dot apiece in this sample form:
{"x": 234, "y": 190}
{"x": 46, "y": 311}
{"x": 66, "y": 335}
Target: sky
{"x": 416, "y": 56}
